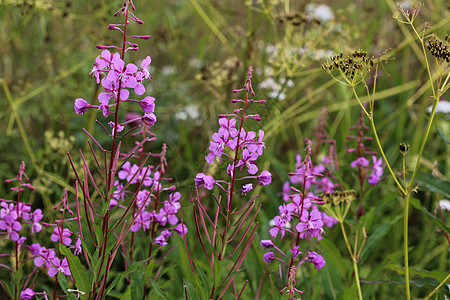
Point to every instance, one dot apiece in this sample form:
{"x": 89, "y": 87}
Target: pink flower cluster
{"x": 18, "y": 220}
{"x": 146, "y": 213}
{"x": 300, "y": 211}
{"x": 250, "y": 149}
{"x": 117, "y": 80}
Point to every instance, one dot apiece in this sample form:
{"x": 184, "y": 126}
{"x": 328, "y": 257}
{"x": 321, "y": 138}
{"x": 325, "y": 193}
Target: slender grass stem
{"x": 438, "y": 287}
{"x": 354, "y": 259}
{"x": 380, "y": 148}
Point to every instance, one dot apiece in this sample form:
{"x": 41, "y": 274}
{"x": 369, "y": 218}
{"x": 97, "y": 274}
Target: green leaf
{"x": 202, "y": 282}
{"x": 335, "y": 270}
{"x": 137, "y": 285}
{"x": 433, "y": 184}
{"x": 131, "y": 268}
{"x": 158, "y": 290}
{"x": 217, "y": 271}
{"x": 65, "y": 286}
{"x": 376, "y": 237}
{"x": 191, "y": 293}
{"x": 83, "y": 279}
{"x": 416, "y": 204}
{"x": 443, "y": 136}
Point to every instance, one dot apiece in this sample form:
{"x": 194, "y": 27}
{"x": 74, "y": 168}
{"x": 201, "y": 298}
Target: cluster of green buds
{"x": 359, "y": 62}
{"x": 338, "y": 203}
{"x": 439, "y": 49}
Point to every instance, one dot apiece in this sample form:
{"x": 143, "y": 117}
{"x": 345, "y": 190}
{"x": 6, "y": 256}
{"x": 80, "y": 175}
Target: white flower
{"x": 444, "y": 204}
{"x": 192, "y": 111}
{"x": 322, "y": 12}
{"x": 168, "y": 70}
{"x": 442, "y": 107}
{"x": 181, "y": 115}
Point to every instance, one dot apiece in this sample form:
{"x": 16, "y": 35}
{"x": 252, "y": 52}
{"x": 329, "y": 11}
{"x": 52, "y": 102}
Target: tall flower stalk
{"x": 128, "y": 201}
{"x": 353, "y": 71}
{"x": 231, "y": 228}
{"x": 299, "y": 221}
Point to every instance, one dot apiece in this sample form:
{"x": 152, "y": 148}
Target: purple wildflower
{"x": 162, "y": 239}
{"x": 259, "y": 145}
{"x": 148, "y": 104}
{"x": 142, "y": 221}
{"x": 27, "y": 294}
{"x": 81, "y": 106}
{"x": 180, "y": 228}
{"x": 310, "y": 226}
{"x": 278, "y": 226}
{"x": 218, "y": 144}
{"x": 205, "y": 180}
{"x": 248, "y": 159}
{"x": 37, "y": 216}
{"x": 11, "y": 226}
{"x": 267, "y": 244}
{"x": 316, "y": 259}
{"x": 265, "y": 178}
{"x": 268, "y": 257}
{"x": 295, "y": 251}
{"x": 228, "y": 125}
{"x": 149, "y": 118}
{"x": 377, "y": 170}
{"x": 77, "y": 247}
{"x": 64, "y": 235}
{"x": 59, "y": 265}
{"x": 145, "y": 63}
{"x": 360, "y": 161}
{"x": 247, "y": 188}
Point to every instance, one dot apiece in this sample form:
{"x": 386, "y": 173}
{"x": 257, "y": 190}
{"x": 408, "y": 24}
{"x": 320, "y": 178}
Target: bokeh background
{"x": 200, "y": 52}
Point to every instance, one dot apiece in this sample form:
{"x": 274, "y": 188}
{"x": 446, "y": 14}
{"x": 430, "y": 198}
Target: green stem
{"x": 438, "y": 287}
{"x": 355, "y": 263}
{"x": 380, "y": 148}
{"x": 405, "y": 246}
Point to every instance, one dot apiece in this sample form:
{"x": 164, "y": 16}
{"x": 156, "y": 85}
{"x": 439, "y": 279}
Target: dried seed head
{"x": 356, "y": 63}
{"x": 439, "y": 49}
{"x": 338, "y": 197}
{"x": 403, "y": 148}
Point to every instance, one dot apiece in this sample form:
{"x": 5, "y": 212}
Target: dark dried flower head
{"x": 403, "y": 148}
{"x": 356, "y": 63}
{"x": 338, "y": 197}
{"x": 439, "y": 49}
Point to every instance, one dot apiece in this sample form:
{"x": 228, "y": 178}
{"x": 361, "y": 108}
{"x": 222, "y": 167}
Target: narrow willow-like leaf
{"x": 416, "y": 204}
{"x": 137, "y": 285}
{"x": 158, "y": 290}
{"x": 202, "y": 282}
{"x": 132, "y": 268}
{"x": 65, "y": 286}
{"x": 83, "y": 279}
{"x": 443, "y": 136}
{"x": 217, "y": 271}
{"x": 191, "y": 293}
{"x": 377, "y": 235}
{"x": 433, "y": 184}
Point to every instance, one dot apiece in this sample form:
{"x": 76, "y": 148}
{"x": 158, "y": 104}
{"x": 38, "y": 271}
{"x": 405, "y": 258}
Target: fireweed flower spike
{"x": 299, "y": 212}
{"x": 131, "y": 193}
{"x": 239, "y": 150}
{"x": 20, "y": 224}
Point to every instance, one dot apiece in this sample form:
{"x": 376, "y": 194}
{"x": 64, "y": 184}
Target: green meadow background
{"x": 200, "y": 52}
